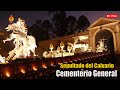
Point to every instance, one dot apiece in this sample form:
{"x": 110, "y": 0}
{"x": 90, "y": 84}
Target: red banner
{"x": 112, "y": 16}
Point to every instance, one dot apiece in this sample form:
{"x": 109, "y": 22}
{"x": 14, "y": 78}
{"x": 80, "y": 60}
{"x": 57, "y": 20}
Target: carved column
{"x": 117, "y": 34}
{"x": 91, "y": 39}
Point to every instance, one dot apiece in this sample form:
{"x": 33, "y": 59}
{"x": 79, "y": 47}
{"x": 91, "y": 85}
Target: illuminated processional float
{"x": 71, "y": 47}
{"x": 24, "y": 43}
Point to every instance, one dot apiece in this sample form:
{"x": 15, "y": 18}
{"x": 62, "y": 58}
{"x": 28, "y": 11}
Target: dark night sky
{"x": 31, "y": 16}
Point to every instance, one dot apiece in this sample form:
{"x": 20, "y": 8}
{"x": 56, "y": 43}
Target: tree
{"x": 58, "y": 22}
{"x": 39, "y": 22}
{"x": 82, "y": 23}
{"x": 48, "y": 29}
{"x": 37, "y": 31}
{"x": 71, "y": 24}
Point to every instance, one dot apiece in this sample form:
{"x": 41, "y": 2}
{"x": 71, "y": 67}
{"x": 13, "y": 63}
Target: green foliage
{"x": 59, "y": 25}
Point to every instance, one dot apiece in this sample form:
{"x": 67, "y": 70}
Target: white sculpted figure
{"x": 83, "y": 47}
{"x": 101, "y": 46}
{"x": 24, "y": 44}
{"x": 2, "y": 59}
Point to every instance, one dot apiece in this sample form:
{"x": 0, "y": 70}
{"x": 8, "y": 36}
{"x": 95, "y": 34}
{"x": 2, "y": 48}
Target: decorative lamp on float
{"x": 11, "y": 19}
{"x": 69, "y": 48}
{"x": 62, "y": 45}
{"x": 58, "y": 49}
{"x": 51, "y": 47}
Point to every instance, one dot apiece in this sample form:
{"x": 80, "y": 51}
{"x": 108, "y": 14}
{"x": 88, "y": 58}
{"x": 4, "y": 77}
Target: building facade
{"x": 102, "y": 25}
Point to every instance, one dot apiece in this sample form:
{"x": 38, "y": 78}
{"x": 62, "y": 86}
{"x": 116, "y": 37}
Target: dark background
{"x": 31, "y": 16}
{"x": 46, "y": 5}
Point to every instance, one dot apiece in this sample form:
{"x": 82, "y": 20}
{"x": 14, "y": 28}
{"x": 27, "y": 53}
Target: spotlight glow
{"x": 44, "y": 66}
{"x": 34, "y": 68}
{"x": 7, "y": 74}
{"x": 22, "y": 70}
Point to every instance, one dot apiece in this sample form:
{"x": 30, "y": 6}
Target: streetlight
{"x": 62, "y": 45}
{"x": 58, "y": 49}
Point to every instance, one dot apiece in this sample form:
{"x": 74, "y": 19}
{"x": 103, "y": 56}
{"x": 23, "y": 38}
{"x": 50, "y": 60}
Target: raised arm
{"x": 8, "y": 39}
